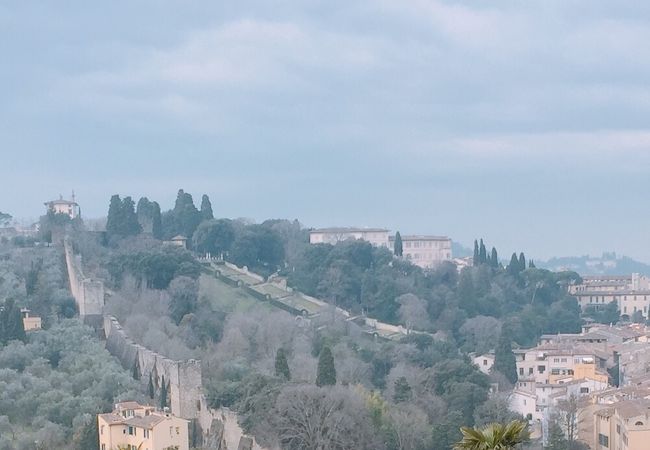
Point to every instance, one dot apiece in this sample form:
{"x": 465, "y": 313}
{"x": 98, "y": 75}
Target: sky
{"x": 525, "y": 123}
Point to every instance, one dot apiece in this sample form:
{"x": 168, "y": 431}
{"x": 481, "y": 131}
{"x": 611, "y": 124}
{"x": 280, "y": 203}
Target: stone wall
{"x": 88, "y": 293}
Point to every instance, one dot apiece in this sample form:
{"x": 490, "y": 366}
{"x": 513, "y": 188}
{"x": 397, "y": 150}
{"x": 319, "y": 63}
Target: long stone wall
{"x": 88, "y": 293}
{"x": 210, "y": 429}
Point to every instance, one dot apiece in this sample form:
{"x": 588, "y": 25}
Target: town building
{"x": 623, "y": 426}
{"x": 376, "y": 236}
{"x": 135, "y": 426}
{"x": 424, "y": 251}
{"x": 30, "y": 323}
{"x": 179, "y": 241}
{"x": 630, "y": 292}
{"x": 61, "y": 206}
{"x": 483, "y": 362}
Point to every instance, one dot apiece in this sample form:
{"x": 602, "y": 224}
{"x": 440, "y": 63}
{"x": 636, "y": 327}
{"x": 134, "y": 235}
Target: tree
{"x": 482, "y": 253}
{"x": 494, "y": 258}
{"x": 522, "y": 262}
{"x": 282, "y": 365}
{"x": 567, "y": 417}
{"x": 413, "y": 311}
{"x": 4, "y": 219}
{"x": 402, "y": 390}
{"x": 513, "y": 267}
{"x": 504, "y": 358}
{"x": 156, "y": 221}
{"x": 136, "y": 368}
{"x": 206, "y": 208}
{"x": 496, "y": 409}
{"x": 163, "y": 394}
{"x": 556, "y": 438}
{"x": 495, "y": 436}
{"x": 214, "y": 236}
{"x": 114, "y": 215}
{"x": 11, "y": 323}
{"x": 150, "y": 388}
{"x": 186, "y": 216}
{"x": 88, "y": 436}
{"x": 312, "y": 418}
{"x": 398, "y": 248}
{"x": 531, "y": 264}
{"x": 476, "y": 259}
{"x": 326, "y": 372}
{"x": 466, "y": 292}
{"x": 184, "y": 294}
{"x": 122, "y": 220}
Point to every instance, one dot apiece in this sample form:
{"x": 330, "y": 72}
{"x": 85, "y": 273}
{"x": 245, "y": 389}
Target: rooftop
{"x": 421, "y": 237}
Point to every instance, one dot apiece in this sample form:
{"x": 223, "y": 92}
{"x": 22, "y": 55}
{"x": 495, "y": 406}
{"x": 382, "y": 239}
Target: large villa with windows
{"x": 138, "y": 427}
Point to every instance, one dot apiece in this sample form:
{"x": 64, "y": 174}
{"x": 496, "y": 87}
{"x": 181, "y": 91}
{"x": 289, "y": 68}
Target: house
{"x": 30, "y": 323}
{"x": 135, "y": 426}
{"x": 484, "y": 362}
{"x": 179, "y": 240}
{"x": 630, "y": 292}
{"x": 61, "y": 206}
{"x": 624, "y": 425}
{"x": 424, "y": 251}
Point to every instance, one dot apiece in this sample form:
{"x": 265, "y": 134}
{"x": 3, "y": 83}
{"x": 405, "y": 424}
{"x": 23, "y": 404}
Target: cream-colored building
{"x": 484, "y": 362}
{"x": 376, "y": 236}
{"x": 138, "y": 427}
{"x": 61, "y": 206}
{"x": 424, "y": 251}
{"x": 623, "y": 426}
{"x": 179, "y": 241}
{"x": 30, "y": 323}
{"x": 630, "y": 292}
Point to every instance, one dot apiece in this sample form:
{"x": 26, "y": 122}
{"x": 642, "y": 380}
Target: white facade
{"x": 376, "y": 236}
{"x": 484, "y": 362}
{"x": 424, "y": 251}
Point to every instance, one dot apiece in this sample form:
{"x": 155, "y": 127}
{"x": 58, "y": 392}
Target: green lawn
{"x": 227, "y": 298}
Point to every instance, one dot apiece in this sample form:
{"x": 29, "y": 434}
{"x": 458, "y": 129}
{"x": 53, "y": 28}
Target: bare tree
{"x": 313, "y": 418}
{"x": 411, "y": 426}
{"x": 413, "y": 312}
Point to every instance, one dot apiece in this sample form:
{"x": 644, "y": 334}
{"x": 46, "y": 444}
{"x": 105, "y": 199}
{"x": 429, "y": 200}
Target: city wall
{"x": 209, "y": 429}
{"x": 88, "y": 293}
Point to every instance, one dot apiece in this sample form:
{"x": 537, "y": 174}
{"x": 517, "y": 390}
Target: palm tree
{"x": 496, "y": 436}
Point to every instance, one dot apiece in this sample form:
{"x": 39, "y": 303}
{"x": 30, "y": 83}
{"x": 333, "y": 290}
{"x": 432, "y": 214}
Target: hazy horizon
{"x": 524, "y": 124}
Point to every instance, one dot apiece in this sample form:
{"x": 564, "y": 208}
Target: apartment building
{"x": 138, "y": 427}
{"x": 630, "y": 292}
{"x": 424, "y": 251}
{"x": 623, "y": 426}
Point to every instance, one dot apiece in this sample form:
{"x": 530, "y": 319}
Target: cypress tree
{"x": 476, "y": 260}
{"x": 206, "y": 208}
{"x": 150, "y": 388}
{"x": 163, "y": 394}
{"x": 114, "y": 215}
{"x": 531, "y": 265}
{"x": 513, "y": 267}
{"x": 130, "y": 225}
{"x": 482, "y": 253}
{"x": 156, "y": 221}
{"x": 326, "y": 372}
{"x": 398, "y": 249}
{"x": 11, "y": 323}
{"x": 282, "y": 365}
{"x": 522, "y": 262}
{"x": 504, "y": 358}
{"x": 494, "y": 258}
{"x": 402, "y": 390}
{"x": 136, "y": 368}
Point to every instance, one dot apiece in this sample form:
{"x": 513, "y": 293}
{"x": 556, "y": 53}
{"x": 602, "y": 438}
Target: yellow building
{"x": 61, "y": 206}
{"x": 137, "y": 427}
{"x": 30, "y": 323}
{"x": 623, "y": 426}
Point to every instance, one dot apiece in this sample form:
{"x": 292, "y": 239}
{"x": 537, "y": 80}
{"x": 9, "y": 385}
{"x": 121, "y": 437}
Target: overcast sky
{"x": 523, "y": 122}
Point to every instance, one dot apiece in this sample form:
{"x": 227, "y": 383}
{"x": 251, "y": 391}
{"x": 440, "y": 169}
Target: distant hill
{"x": 607, "y": 264}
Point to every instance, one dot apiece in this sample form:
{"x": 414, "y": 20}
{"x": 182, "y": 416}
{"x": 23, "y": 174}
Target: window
{"x": 132, "y": 431}
{"x": 485, "y": 362}
{"x": 584, "y": 390}
{"x": 555, "y": 371}
{"x": 541, "y": 369}
{"x": 146, "y": 433}
{"x": 101, "y": 430}
{"x": 603, "y": 440}
{"x": 557, "y": 360}
{"x": 563, "y": 360}
{"x": 178, "y": 430}
{"x": 618, "y": 429}
{"x": 530, "y": 371}
{"x": 521, "y": 371}
{"x": 103, "y": 446}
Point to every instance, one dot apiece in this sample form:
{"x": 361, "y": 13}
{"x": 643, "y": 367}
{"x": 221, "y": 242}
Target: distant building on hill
{"x": 30, "y": 323}
{"x": 423, "y": 251}
{"x": 179, "y": 240}
{"x": 376, "y": 236}
{"x": 630, "y": 292}
{"x": 61, "y": 206}
{"x": 135, "y": 426}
